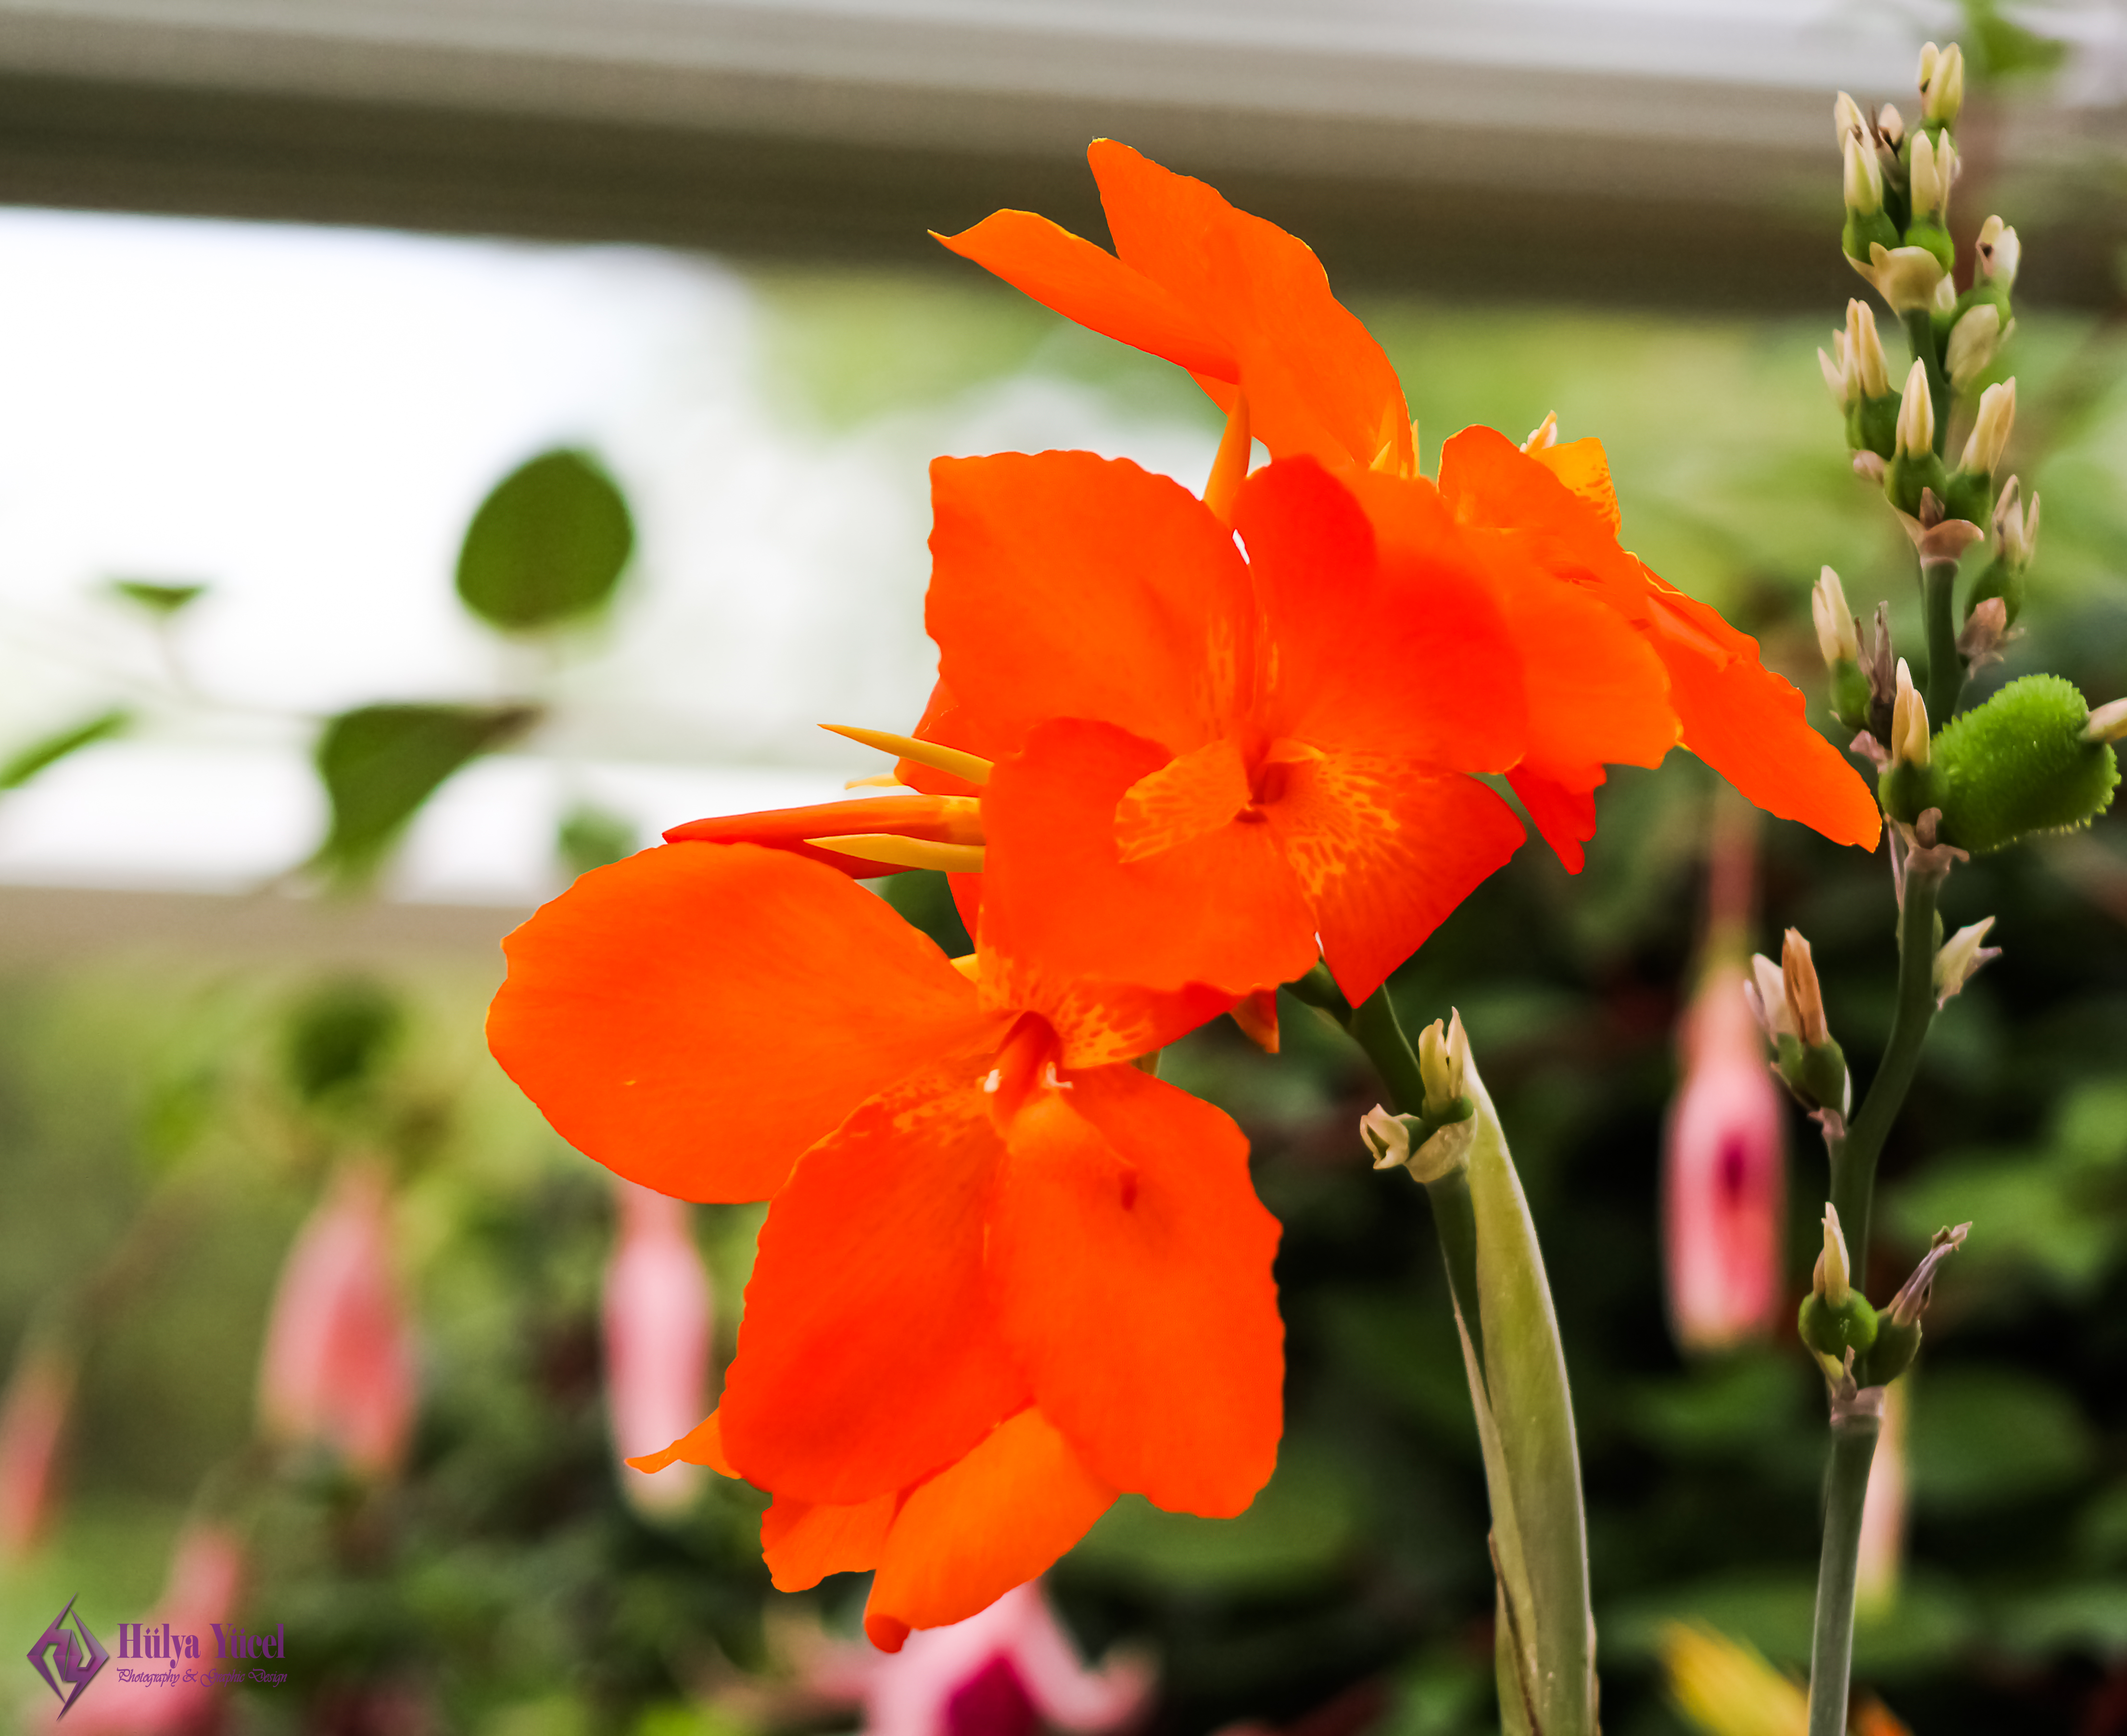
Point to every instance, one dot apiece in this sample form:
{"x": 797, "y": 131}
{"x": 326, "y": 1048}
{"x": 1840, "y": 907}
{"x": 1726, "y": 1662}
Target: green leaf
{"x": 590, "y": 836}
{"x": 380, "y": 763}
{"x": 23, "y": 765}
{"x": 157, "y": 597}
{"x": 1991, "y": 1437}
{"x": 547, "y": 546}
{"x": 338, "y": 1036}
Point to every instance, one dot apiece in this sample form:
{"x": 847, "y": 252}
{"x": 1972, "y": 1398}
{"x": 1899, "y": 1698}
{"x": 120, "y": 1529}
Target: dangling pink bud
{"x": 33, "y": 1414}
{"x": 658, "y": 1315}
{"x": 340, "y": 1363}
{"x": 1881, "y": 1561}
{"x": 1724, "y": 1180}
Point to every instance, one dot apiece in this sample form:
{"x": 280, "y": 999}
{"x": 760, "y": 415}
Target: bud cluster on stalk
{"x": 1789, "y": 1006}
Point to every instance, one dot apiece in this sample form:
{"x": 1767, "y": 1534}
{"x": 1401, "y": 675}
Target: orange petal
{"x": 1084, "y": 283}
{"x": 941, "y": 722}
{"x": 1407, "y": 656}
{"x": 1316, "y": 381}
{"x": 803, "y": 1542}
{"x": 1561, "y": 801}
{"x": 1197, "y": 792}
{"x": 1748, "y": 724}
{"x": 927, "y": 816}
{"x": 1489, "y": 483}
{"x": 1385, "y": 854}
{"x": 1257, "y": 1015}
{"x": 993, "y": 1521}
{"x": 1135, "y": 1266}
{"x": 1585, "y": 468}
{"x": 867, "y": 1356}
{"x": 1065, "y": 585}
{"x": 695, "y": 1016}
{"x": 703, "y": 1444}
{"x": 1222, "y": 910}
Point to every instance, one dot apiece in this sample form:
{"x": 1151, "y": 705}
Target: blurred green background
{"x": 162, "y": 1134}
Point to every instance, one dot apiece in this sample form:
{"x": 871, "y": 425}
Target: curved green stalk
{"x": 1855, "y": 1428}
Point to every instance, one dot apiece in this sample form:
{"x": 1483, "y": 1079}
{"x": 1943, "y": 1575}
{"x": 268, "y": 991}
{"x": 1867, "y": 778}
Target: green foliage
{"x": 1985, "y": 1438}
{"x": 380, "y": 763}
{"x": 591, "y": 836}
{"x": 339, "y": 1035}
{"x": 547, "y": 546}
{"x": 27, "y": 762}
{"x": 160, "y": 598}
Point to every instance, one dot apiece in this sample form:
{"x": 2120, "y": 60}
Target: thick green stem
{"x": 1854, "y": 1427}
{"x": 1854, "y": 1155}
{"x": 1375, "y": 1028}
{"x": 1946, "y": 670}
{"x": 1919, "y": 334}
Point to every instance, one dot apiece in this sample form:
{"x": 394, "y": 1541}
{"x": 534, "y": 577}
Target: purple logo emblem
{"x": 75, "y": 1657}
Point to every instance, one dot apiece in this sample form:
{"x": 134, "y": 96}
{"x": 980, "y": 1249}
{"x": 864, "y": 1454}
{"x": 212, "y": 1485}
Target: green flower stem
{"x": 1920, "y": 333}
{"x": 1853, "y": 1431}
{"x": 1853, "y": 1155}
{"x": 1946, "y": 665}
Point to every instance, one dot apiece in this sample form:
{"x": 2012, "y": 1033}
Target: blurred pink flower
{"x": 1881, "y": 1563}
{"x": 1009, "y": 1670}
{"x": 206, "y": 1578}
{"x": 1724, "y": 1179}
{"x": 659, "y": 1314}
{"x": 33, "y": 1414}
{"x": 338, "y": 1366}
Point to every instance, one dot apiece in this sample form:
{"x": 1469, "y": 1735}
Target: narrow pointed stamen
{"x": 877, "y": 780}
{"x": 973, "y": 767}
{"x": 900, "y": 852}
{"x": 1230, "y": 468}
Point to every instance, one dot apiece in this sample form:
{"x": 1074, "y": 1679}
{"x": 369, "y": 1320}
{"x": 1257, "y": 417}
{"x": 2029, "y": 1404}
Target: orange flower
{"x": 1247, "y": 309}
{"x": 1004, "y": 1275}
{"x": 1208, "y": 767}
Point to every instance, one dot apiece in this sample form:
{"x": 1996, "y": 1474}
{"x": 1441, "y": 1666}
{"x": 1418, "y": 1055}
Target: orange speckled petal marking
{"x": 868, "y": 1356}
{"x": 1134, "y": 1263}
{"x": 1385, "y": 853}
{"x": 803, "y": 1542}
{"x": 1001, "y": 1515}
{"x": 1196, "y": 793}
{"x": 695, "y": 1016}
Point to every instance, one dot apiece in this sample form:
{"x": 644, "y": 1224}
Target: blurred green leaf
{"x": 380, "y": 763}
{"x": 1736, "y": 1406}
{"x": 547, "y": 545}
{"x": 339, "y": 1034}
{"x": 2089, "y": 1617}
{"x": 1989, "y": 1437}
{"x": 156, "y": 597}
{"x": 27, "y": 762}
{"x": 590, "y": 836}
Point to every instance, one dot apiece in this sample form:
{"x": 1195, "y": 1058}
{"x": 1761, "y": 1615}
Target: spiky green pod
{"x": 2018, "y": 765}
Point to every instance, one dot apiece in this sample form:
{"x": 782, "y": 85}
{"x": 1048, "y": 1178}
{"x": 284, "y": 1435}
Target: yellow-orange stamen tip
{"x": 896, "y": 851}
{"x": 877, "y": 780}
{"x": 1229, "y": 469}
{"x": 970, "y": 965}
{"x": 975, "y": 769}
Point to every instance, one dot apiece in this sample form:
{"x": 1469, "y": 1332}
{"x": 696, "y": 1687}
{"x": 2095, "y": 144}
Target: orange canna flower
{"x": 1210, "y": 767}
{"x": 1004, "y": 1276}
{"x": 1248, "y": 310}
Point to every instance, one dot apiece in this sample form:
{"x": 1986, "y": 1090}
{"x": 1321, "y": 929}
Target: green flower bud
{"x": 2025, "y": 762}
{"x": 1836, "y": 1317}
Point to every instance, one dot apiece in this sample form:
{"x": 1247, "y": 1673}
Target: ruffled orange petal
{"x": 1562, "y": 803}
{"x": 1489, "y": 483}
{"x": 994, "y": 1520}
{"x": 1088, "y": 285}
{"x": 1585, "y": 468}
{"x": 868, "y": 1356}
{"x": 1134, "y": 1268}
{"x": 695, "y": 1016}
{"x": 1066, "y": 585}
{"x": 1222, "y": 909}
{"x": 1748, "y": 724}
{"x": 803, "y": 1542}
{"x": 1316, "y": 381}
{"x": 943, "y": 722}
{"x": 1409, "y": 656}
{"x": 1385, "y": 854}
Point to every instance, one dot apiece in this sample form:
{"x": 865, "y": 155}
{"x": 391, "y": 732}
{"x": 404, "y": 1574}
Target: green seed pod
{"x": 1998, "y": 579}
{"x": 1936, "y": 238}
{"x": 1872, "y": 424}
{"x": 1971, "y": 496}
{"x": 1862, "y": 228}
{"x": 2019, "y": 765}
{"x": 1832, "y": 1329}
{"x": 1910, "y": 472}
{"x": 1892, "y": 1353}
{"x": 1907, "y": 791}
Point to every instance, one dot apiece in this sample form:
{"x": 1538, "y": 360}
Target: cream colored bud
{"x": 1837, "y": 637}
{"x": 1907, "y": 277}
{"x": 1544, "y": 435}
{"x": 1864, "y": 177}
{"x": 1930, "y": 57}
{"x": 1798, "y": 981}
{"x": 1767, "y": 993}
{"x": 1959, "y": 958}
{"x": 1847, "y": 120}
{"x": 1386, "y": 1137}
{"x": 1891, "y": 126}
{"x": 1909, "y": 722}
{"x": 2107, "y": 723}
{"x": 1944, "y": 299}
{"x": 1864, "y": 349}
{"x": 1833, "y": 1279}
{"x": 1990, "y": 431}
{"x": 1974, "y": 341}
{"x": 1915, "y": 414}
{"x": 1442, "y": 1052}
{"x": 1934, "y": 168}
{"x": 1942, "y": 83}
{"x": 1999, "y": 252}
{"x": 1836, "y": 380}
